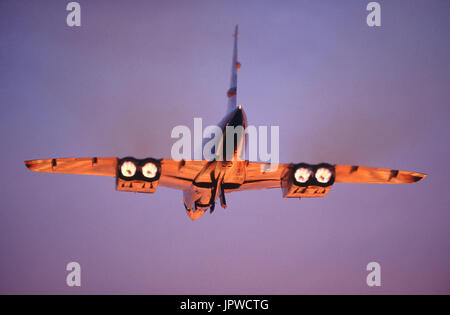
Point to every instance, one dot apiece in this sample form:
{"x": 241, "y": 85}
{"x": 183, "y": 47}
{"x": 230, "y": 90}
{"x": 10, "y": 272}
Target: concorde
{"x": 203, "y": 182}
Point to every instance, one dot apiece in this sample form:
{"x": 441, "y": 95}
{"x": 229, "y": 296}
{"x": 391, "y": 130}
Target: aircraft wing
{"x": 105, "y": 166}
{"x": 181, "y": 174}
{"x": 265, "y": 176}
{"x": 172, "y": 174}
{"x": 373, "y": 175}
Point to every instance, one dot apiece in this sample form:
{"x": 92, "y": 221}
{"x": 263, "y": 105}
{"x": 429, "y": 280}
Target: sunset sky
{"x": 341, "y": 92}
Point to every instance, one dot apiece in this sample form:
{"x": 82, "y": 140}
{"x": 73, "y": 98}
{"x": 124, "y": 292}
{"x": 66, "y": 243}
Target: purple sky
{"x": 340, "y": 91}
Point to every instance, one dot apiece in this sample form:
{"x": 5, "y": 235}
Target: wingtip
{"x": 33, "y": 165}
{"x": 405, "y": 177}
{"x": 418, "y": 177}
{"x": 28, "y": 164}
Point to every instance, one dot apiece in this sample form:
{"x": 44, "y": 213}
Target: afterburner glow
{"x": 149, "y": 170}
{"x": 128, "y": 169}
{"x": 323, "y": 175}
{"x": 302, "y": 174}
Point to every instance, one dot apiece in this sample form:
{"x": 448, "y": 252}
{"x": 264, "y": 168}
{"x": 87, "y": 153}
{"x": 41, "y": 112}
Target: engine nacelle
{"x": 305, "y": 180}
{"x": 138, "y": 175}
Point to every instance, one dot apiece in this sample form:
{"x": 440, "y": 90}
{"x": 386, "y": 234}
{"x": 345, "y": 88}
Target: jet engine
{"x": 306, "y": 180}
{"x": 138, "y": 175}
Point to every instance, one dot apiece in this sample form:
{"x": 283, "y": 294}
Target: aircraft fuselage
{"x": 225, "y": 172}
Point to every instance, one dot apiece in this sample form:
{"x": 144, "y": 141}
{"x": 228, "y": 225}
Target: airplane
{"x": 203, "y": 182}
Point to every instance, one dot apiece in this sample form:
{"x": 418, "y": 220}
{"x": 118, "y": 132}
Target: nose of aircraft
{"x": 195, "y": 214}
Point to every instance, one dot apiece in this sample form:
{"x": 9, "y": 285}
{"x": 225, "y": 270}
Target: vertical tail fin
{"x": 235, "y": 65}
